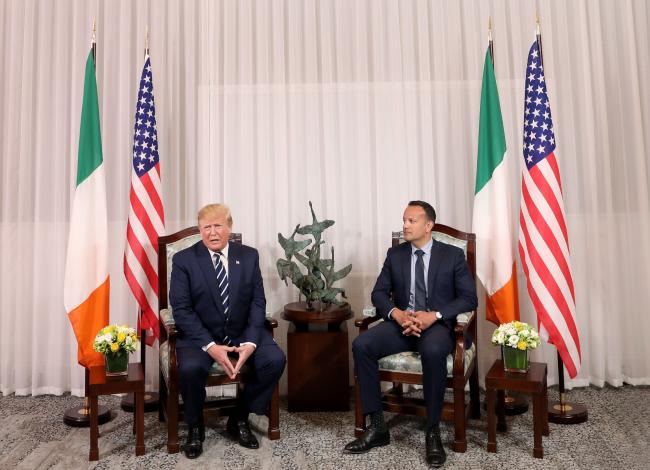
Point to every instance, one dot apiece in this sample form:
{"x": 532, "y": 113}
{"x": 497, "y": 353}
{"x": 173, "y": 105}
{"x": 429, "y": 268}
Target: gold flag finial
{"x": 146, "y": 39}
{"x": 94, "y": 35}
{"x": 537, "y": 28}
{"x": 490, "y": 28}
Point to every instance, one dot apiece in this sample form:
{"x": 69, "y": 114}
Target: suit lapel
{"x": 406, "y": 270}
{"x": 234, "y": 271}
{"x": 434, "y": 264}
{"x": 207, "y": 268}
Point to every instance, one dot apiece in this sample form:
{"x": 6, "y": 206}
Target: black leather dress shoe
{"x": 241, "y": 431}
{"x": 436, "y": 455}
{"x": 194, "y": 445}
{"x": 373, "y": 437}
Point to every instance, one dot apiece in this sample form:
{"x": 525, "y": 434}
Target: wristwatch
{"x": 438, "y": 316}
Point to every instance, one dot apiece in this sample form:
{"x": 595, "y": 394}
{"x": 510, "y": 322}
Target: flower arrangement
{"x": 113, "y": 339}
{"x": 516, "y": 334}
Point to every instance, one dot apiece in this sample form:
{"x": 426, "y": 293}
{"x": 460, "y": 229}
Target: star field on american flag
{"x": 539, "y": 140}
{"x": 145, "y": 140}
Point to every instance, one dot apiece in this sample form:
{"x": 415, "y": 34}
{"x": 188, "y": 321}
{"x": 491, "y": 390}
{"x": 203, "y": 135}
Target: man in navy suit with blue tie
{"x": 218, "y": 302}
{"x": 422, "y": 287}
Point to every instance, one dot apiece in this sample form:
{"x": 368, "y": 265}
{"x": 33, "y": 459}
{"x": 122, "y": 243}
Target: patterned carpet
{"x": 617, "y": 435}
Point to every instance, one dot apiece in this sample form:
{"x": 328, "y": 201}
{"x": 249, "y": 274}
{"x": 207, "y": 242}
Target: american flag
{"x": 146, "y": 213}
{"x": 543, "y": 239}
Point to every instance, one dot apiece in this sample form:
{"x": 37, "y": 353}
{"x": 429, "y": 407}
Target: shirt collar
{"x": 426, "y": 248}
{"x": 224, "y": 252}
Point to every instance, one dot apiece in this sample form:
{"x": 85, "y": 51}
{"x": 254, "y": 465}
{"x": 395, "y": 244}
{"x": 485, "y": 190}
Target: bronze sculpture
{"x": 317, "y": 283}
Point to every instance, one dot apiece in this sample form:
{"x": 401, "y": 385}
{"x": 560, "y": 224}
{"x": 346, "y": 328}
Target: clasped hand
{"x": 220, "y": 352}
{"x": 413, "y": 323}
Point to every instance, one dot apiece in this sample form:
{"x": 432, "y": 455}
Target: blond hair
{"x": 214, "y": 210}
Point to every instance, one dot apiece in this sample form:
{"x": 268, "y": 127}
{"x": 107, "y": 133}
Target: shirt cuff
{"x": 390, "y": 314}
{"x": 208, "y": 346}
{"x": 248, "y": 342}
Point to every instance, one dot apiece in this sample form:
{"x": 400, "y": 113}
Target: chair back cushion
{"x": 173, "y": 248}
{"x": 439, "y": 237}
{"x": 449, "y": 240}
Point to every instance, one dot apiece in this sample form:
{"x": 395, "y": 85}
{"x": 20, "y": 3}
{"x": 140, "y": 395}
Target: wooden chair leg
{"x": 172, "y": 421}
{"x": 359, "y": 421}
{"x": 474, "y": 395}
{"x": 162, "y": 397}
{"x": 460, "y": 440}
{"x": 274, "y": 415}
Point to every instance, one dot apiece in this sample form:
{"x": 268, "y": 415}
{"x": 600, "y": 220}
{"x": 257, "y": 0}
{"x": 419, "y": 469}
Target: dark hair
{"x": 429, "y": 211}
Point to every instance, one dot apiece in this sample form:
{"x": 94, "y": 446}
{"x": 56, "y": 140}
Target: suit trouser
{"x": 434, "y": 345}
{"x": 266, "y": 365}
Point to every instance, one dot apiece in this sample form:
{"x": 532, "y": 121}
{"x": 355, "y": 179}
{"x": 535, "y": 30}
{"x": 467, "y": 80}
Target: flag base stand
{"x": 151, "y": 402}
{"x": 79, "y": 416}
{"x": 563, "y": 412}
{"x": 514, "y": 404}
{"x": 566, "y": 413}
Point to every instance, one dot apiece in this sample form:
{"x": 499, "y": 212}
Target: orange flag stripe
{"x": 503, "y": 305}
{"x": 87, "y": 319}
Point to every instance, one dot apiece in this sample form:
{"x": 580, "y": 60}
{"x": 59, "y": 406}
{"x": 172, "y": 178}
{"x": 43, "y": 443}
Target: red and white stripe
{"x": 544, "y": 252}
{"x": 146, "y": 224}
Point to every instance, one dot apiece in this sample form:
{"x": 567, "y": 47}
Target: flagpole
{"x": 79, "y": 416}
{"x": 93, "y": 42}
{"x": 143, "y": 331}
{"x": 490, "y": 42}
{"x": 151, "y": 399}
{"x": 560, "y": 412}
{"x": 513, "y": 403}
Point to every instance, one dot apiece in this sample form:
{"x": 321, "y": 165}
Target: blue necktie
{"x": 420, "y": 287}
{"x": 222, "y": 287}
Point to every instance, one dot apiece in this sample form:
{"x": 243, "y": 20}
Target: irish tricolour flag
{"x": 492, "y": 221}
{"x": 86, "y": 286}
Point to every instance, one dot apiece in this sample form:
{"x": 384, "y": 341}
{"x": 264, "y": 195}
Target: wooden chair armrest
{"x": 167, "y": 319}
{"x": 461, "y": 328}
{"x": 270, "y": 323}
{"x": 363, "y": 322}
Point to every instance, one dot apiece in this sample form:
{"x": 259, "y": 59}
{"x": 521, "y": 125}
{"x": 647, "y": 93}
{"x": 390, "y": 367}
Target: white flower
{"x": 501, "y": 337}
{"x": 508, "y": 335}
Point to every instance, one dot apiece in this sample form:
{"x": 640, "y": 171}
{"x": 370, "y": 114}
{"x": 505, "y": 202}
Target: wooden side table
{"x": 100, "y": 384}
{"x": 317, "y": 361}
{"x": 533, "y": 382}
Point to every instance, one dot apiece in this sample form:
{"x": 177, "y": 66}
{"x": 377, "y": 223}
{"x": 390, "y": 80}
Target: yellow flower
{"x": 121, "y": 337}
{"x": 115, "y": 347}
{"x": 521, "y": 345}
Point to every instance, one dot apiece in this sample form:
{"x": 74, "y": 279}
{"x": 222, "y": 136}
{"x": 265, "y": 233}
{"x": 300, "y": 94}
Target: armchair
{"x": 406, "y": 367}
{"x": 171, "y": 408}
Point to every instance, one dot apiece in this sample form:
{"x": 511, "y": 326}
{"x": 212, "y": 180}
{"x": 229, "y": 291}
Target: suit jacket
{"x": 450, "y": 287}
{"x": 196, "y": 304}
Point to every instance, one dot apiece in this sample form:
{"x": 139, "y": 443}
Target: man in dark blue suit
{"x": 218, "y": 302}
{"x": 422, "y": 287}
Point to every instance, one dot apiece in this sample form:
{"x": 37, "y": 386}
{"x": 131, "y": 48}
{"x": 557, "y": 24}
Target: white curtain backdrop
{"x": 356, "y": 105}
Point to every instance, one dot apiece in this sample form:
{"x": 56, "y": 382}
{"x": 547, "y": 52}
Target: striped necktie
{"x": 222, "y": 282}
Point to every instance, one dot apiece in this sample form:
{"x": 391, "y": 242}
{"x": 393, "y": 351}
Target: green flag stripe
{"x": 491, "y": 137}
{"x": 90, "y": 139}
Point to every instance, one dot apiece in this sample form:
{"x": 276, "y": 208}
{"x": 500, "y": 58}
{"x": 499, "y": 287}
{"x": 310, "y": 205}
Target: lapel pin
{"x": 236, "y": 261}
